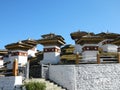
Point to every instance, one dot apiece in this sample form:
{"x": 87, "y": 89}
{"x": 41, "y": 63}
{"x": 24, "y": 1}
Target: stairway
{"x": 49, "y": 85}
{"x": 6, "y": 73}
{"x": 2, "y": 72}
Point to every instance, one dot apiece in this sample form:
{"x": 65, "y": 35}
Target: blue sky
{"x": 22, "y": 19}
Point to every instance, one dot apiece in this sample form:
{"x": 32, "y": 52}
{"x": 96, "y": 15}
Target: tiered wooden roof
{"x": 81, "y": 37}
{"x": 18, "y": 46}
{"x": 51, "y": 39}
{"x": 89, "y": 40}
{"x": 79, "y": 34}
{"x": 108, "y": 35}
{"x": 22, "y": 45}
{"x": 67, "y": 53}
{"x": 67, "y": 49}
{"x": 36, "y": 60}
{"x": 3, "y": 52}
{"x": 30, "y": 42}
{"x": 116, "y": 41}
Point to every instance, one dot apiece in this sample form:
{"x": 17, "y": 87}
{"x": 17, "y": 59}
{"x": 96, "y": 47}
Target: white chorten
{"x": 51, "y": 43}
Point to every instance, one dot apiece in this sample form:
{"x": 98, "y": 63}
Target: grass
{"x": 35, "y": 86}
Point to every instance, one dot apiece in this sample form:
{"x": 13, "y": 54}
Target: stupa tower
{"x": 76, "y": 36}
{"x": 32, "y": 51}
{"x": 2, "y": 54}
{"x": 17, "y": 51}
{"x": 51, "y": 43}
{"x": 117, "y": 42}
{"x": 88, "y": 45}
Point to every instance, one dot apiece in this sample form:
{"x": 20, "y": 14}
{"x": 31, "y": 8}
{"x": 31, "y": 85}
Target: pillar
{"x": 15, "y": 67}
{"x": 118, "y": 57}
{"x": 77, "y": 58}
{"x": 27, "y": 70}
{"x": 98, "y": 58}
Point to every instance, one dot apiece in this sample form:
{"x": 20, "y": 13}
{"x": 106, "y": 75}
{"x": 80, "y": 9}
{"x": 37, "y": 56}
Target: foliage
{"x": 35, "y": 86}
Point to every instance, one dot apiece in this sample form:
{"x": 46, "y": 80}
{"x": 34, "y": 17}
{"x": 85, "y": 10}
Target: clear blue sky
{"x": 22, "y": 19}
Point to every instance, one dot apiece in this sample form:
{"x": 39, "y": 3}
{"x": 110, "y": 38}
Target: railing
{"x": 45, "y": 71}
{"x": 100, "y": 58}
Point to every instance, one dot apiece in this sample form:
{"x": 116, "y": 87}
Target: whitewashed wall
{"x": 22, "y": 60}
{"x": 109, "y": 48}
{"x": 51, "y": 57}
{"x": 78, "y": 48}
{"x": 63, "y": 75}
{"x": 1, "y": 62}
{"x": 89, "y": 56}
{"x": 31, "y": 52}
{"x": 87, "y": 76}
{"x": 9, "y": 83}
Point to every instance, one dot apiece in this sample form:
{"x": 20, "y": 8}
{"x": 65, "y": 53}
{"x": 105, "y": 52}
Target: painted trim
{"x": 90, "y": 48}
{"x": 19, "y": 54}
{"x": 51, "y": 50}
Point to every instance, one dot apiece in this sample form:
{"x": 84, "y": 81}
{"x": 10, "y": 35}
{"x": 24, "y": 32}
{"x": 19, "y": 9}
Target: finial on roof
{"x": 89, "y": 34}
{"x": 29, "y": 38}
{"x": 19, "y": 41}
{"x": 107, "y": 31}
{"x": 78, "y": 30}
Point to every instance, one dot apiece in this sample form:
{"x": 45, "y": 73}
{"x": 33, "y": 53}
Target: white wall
{"x": 8, "y": 83}
{"x": 78, "y": 48}
{"x": 51, "y": 57}
{"x": 11, "y": 59}
{"x": 63, "y": 75}
{"x": 109, "y": 48}
{"x": 89, "y": 56}
{"x": 1, "y": 63}
{"x": 31, "y": 52}
{"x": 22, "y": 60}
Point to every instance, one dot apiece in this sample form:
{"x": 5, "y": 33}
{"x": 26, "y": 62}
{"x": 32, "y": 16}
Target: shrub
{"x": 35, "y": 86}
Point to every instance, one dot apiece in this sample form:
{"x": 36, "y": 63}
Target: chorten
{"x": 88, "y": 44}
{"x": 117, "y": 42}
{"x": 110, "y": 42}
{"x": 32, "y": 51}
{"x": 2, "y": 54}
{"x": 90, "y": 47}
{"x": 17, "y": 51}
{"x": 51, "y": 43}
{"x": 67, "y": 54}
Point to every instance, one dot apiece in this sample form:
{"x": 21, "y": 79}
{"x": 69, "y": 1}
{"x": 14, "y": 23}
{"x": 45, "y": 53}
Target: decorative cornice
{"x": 19, "y": 54}
{"x": 90, "y": 48}
{"x": 51, "y": 50}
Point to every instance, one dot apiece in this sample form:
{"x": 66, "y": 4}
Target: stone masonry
{"x": 87, "y": 76}
{"x": 98, "y": 77}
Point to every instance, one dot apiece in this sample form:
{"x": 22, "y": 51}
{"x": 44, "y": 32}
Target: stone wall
{"x": 10, "y": 83}
{"x": 98, "y": 77}
{"x": 87, "y": 76}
